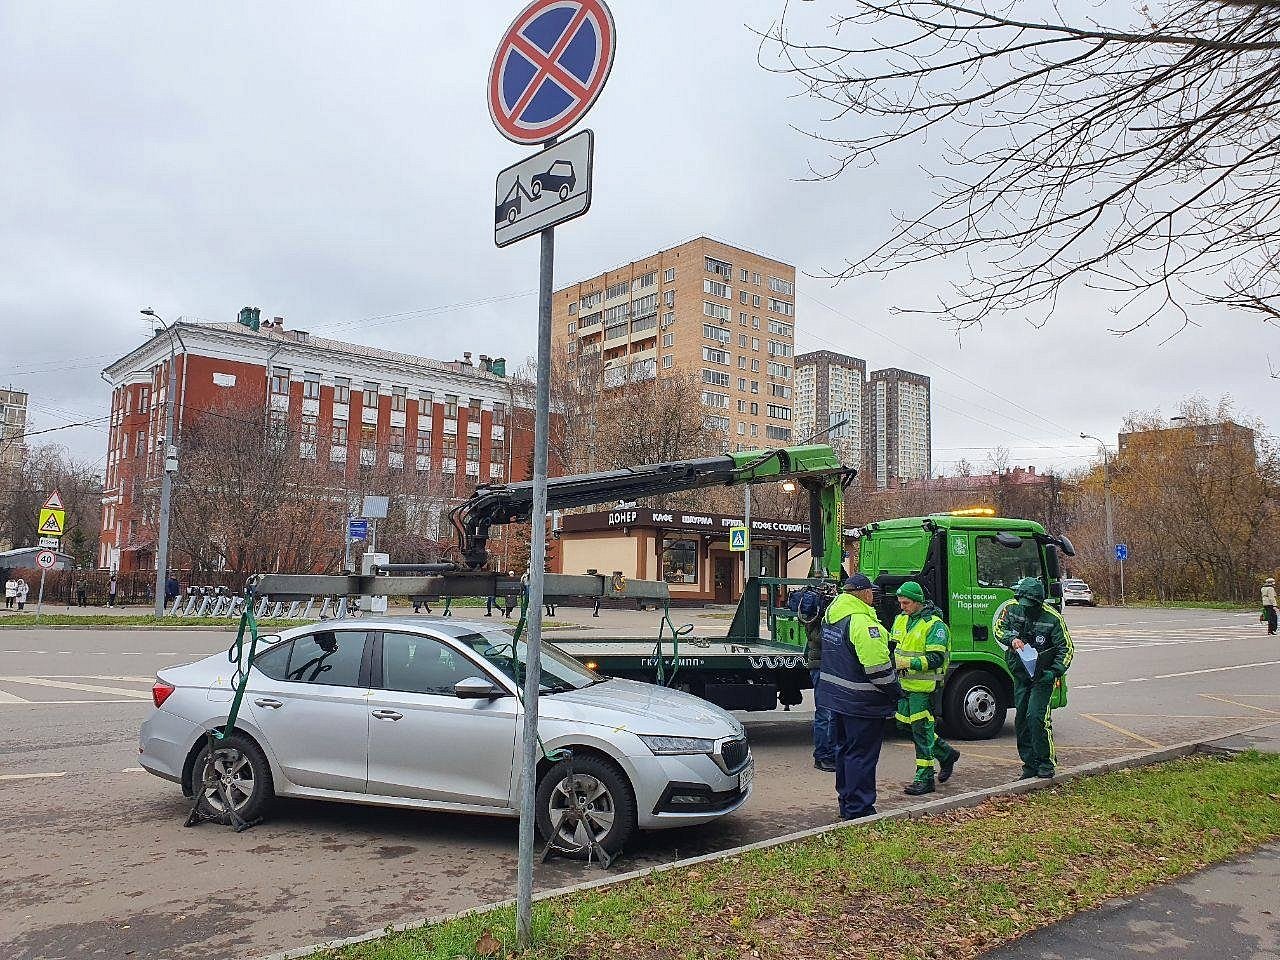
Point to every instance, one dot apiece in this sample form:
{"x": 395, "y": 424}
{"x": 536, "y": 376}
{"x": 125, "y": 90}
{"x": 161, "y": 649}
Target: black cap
{"x": 859, "y": 581}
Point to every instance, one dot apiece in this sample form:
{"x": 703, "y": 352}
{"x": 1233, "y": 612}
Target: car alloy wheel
{"x": 564, "y": 192}
{"x": 233, "y": 771}
{"x": 581, "y": 803}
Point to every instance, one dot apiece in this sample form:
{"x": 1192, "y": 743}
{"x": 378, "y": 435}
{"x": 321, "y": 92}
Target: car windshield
{"x": 560, "y": 672}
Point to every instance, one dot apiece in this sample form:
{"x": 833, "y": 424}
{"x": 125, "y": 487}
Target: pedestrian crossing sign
{"x": 738, "y": 539}
{"x": 52, "y": 523}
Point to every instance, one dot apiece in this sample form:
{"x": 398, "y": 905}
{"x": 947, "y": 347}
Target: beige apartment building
{"x": 724, "y": 313}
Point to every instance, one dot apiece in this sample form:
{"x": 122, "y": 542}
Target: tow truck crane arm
{"x": 813, "y": 466}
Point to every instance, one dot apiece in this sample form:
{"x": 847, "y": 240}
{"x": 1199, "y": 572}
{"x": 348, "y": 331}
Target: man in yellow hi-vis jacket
{"x": 921, "y": 654}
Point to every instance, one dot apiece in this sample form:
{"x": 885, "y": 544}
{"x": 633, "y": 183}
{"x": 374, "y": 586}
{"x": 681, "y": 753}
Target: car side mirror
{"x": 1008, "y": 540}
{"x": 476, "y": 688}
{"x": 1055, "y": 590}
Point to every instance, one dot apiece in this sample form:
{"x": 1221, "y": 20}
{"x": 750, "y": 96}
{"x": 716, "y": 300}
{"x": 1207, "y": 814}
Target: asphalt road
{"x": 96, "y": 863}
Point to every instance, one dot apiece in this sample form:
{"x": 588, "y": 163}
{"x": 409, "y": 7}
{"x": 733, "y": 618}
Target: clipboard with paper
{"x": 1029, "y": 657}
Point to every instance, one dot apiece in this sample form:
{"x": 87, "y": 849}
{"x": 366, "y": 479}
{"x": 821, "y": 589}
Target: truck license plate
{"x": 747, "y": 775}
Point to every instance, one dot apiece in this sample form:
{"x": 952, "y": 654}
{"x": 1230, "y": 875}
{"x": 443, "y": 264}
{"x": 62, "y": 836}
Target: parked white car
{"x": 1077, "y": 591}
{"x": 424, "y": 713}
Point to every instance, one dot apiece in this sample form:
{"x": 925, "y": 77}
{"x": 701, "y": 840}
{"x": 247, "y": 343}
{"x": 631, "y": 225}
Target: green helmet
{"x": 1029, "y": 588}
{"x": 912, "y": 591}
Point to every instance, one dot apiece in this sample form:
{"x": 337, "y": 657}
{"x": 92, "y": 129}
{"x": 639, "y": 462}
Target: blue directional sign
{"x": 1122, "y": 551}
{"x": 358, "y": 529}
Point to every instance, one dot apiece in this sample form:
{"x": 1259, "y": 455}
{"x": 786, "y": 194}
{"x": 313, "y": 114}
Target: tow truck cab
{"x": 968, "y": 566}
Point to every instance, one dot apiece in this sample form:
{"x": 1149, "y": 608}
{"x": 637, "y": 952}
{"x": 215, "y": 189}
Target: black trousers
{"x": 1271, "y": 618}
{"x": 858, "y": 741}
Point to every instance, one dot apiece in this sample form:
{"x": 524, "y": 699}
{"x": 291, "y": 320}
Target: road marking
{"x": 95, "y": 676}
{"x": 1122, "y": 730}
{"x": 70, "y": 685}
{"x": 133, "y": 770}
{"x": 1238, "y": 666}
{"x": 31, "y": 776}
{"x": 1247, "y": 706}
{"x": 50, "y": 703}
{"x": 10, "y": 698}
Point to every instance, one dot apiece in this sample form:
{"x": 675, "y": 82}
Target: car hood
{"x": 641, "y": 708}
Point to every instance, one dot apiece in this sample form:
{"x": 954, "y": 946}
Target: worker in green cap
{"x": 1031, "y": 623}
{"x": 921, "y": 654}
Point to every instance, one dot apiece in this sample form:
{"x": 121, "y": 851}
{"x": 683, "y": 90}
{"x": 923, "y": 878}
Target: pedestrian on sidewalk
{"x": 1269, "y": 605}
{"x": 1031, "y": 623}
{"x": 82, "y": 591}
{"x": 23, "y": 590}
{"x": 824, "y": 746}
{"x": 111, "y": 591}
{"x": 922, "y": 653}
{"x": 10, "y": 593}
{"x": 859, "y": 685}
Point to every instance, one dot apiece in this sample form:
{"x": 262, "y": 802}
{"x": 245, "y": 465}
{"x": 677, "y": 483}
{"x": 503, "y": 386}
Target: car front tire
{"x": 599, "y": 792}
{"x": 242, "y": 766}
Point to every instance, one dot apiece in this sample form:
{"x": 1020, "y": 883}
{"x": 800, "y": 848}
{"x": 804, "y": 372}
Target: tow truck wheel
{"x": 582, "y": 794}
{"x": 973, "y": 706}
{"x": 239, "y": 770}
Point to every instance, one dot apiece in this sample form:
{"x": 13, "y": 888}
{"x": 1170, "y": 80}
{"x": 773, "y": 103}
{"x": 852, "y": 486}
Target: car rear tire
{"x": 564, "y": 192}
{"x": 535, "y": 189}
{"x": 973, "y": 706}
{"x": 241, "y": 764}
{"x": 600, "y": 791}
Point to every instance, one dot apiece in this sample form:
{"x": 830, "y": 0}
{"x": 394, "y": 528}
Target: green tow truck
{"x": 967, "y": 565}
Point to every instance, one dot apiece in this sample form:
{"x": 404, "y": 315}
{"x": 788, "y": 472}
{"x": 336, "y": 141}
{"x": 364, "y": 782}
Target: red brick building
{"x": 350, "y": 406}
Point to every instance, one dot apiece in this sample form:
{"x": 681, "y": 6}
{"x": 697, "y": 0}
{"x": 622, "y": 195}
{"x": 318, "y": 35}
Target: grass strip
{"x": 951, "y": 886}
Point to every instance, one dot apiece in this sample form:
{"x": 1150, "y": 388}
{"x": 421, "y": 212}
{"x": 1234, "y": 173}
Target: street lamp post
{"x": 170, "y": 468}
{"x": 1106, "y": 497}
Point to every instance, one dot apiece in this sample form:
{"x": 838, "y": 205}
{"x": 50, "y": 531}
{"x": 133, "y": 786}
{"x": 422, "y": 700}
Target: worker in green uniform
{"x": 1030, "y": 622}
{"x": 921, "y": 654}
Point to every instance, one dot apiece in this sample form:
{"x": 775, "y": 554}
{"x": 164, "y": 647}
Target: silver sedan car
{"x": 425, "y": 713}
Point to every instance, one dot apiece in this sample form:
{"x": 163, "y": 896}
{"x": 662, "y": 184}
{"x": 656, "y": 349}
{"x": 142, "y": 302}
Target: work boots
{"x": 920, "y": 786}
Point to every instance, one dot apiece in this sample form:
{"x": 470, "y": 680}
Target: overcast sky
{"x": 333, "y": 162}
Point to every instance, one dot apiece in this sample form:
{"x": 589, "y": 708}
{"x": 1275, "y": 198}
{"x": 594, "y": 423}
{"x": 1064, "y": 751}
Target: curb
{"x": 912, "y": 812}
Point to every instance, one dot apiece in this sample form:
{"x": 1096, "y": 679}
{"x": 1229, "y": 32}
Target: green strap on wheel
{"x": 236, "y": 656}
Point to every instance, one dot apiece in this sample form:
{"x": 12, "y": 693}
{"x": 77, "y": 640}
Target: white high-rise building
{"x": 897, "y": 426}
{"x": 829, "y": 391}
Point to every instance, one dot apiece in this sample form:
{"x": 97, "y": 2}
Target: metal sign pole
{"x": 537, "y": 566}
{"x": 1122, "y": 581}
{"x": 746, "y": 554}
{"x": 40, "y": 595}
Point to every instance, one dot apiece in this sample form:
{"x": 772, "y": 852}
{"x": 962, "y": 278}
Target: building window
{"x": 680, "y": 561}
{"x": 339, "y": 433}
{"x": 755, "y": 279}
{"x": 368, "y": 438}
{"x": 669, "y": 298}
{"x": 780, "y": 328}
{"x": 718, "y": 334}
{"x": 717, "y": 400}
{"x": 140, "y": 447}
{"x": 424, "y": 403}
{"x": 473, "y": 409}
{"x": 774, "y": 433}
{"x": 755, "y": 343}
{"x": 619, "y": 289}
{"x": 668, "y": 339}
{"x": 712, "y": 355}
{"x": 744, "y": 297}
{"x": 782, "y": 286}
{"x": 397, "y": 439}
{"x": 590, "y": 300}
{"x": 450, "y": 406}
{"x": 719, "y": 267}
{"x": 742, "y": 341}
{"x": 499, "y": 413}
{"x": 755, "y": 300}
{"x": 780, "y": 370}
{"x": 311, "y": 386}
{"x": 280, "y": 380}
{"x": 742, "y": 428}
{"x": 744, "y": 275}
{"x": 309, "y": 430}
{"x": 780, "y": 390}
{"x": 781, "y": 306}
{"x": 398, "y": 398}
{"x": 371, "y": 394}
{"x": 497, "y": 452}
{"x": 755, "y": 365}
{"x": 341, "y": 390}
{"x": 742, "y": 384}
{"x": 742, "y": 406}
{"x": 755, "y": 430}
{"x": 450, "y": 447}
{"x": 755, "y": 386}
{"x": 715, "y": 377}
{"x": 144, "y": 399}
{"x": 755, "y": 323}
{"x": 649, "y": 279}
{"x": 742, "y": 319}
{"x": 755, "y": 409}
{"x": 779, "y": 412}
{"x": 670, "y": 275}
{"x": 717, "y": 289}
{"x": 473, "y": 449}
{"x": 742, "y": 362}
{"x": 668, "y": 362}
{"x": 424, "y": 442}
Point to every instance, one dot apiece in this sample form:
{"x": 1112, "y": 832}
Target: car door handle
{"x": 387, "y": 715}
{"x": 268, "y": 702}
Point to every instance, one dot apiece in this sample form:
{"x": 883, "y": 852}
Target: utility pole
{"x": 746, "y": 556}
{"x": 1106, "y": 499}
{"x": 170, "y": 468}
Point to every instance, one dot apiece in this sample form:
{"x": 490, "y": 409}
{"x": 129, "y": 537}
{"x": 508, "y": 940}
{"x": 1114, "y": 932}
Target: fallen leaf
{"x": 488, "y": 945}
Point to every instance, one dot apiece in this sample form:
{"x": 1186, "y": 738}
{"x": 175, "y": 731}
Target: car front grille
{"x": 734, "y": 754}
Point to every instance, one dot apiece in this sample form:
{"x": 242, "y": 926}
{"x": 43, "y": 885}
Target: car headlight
{"x": 672, "y": 746}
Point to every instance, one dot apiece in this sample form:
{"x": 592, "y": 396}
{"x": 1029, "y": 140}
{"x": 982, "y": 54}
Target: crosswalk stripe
{"x": 31, "y": 776}
{"x": 70, "y": 685}
{"x": 10, "y": 698}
